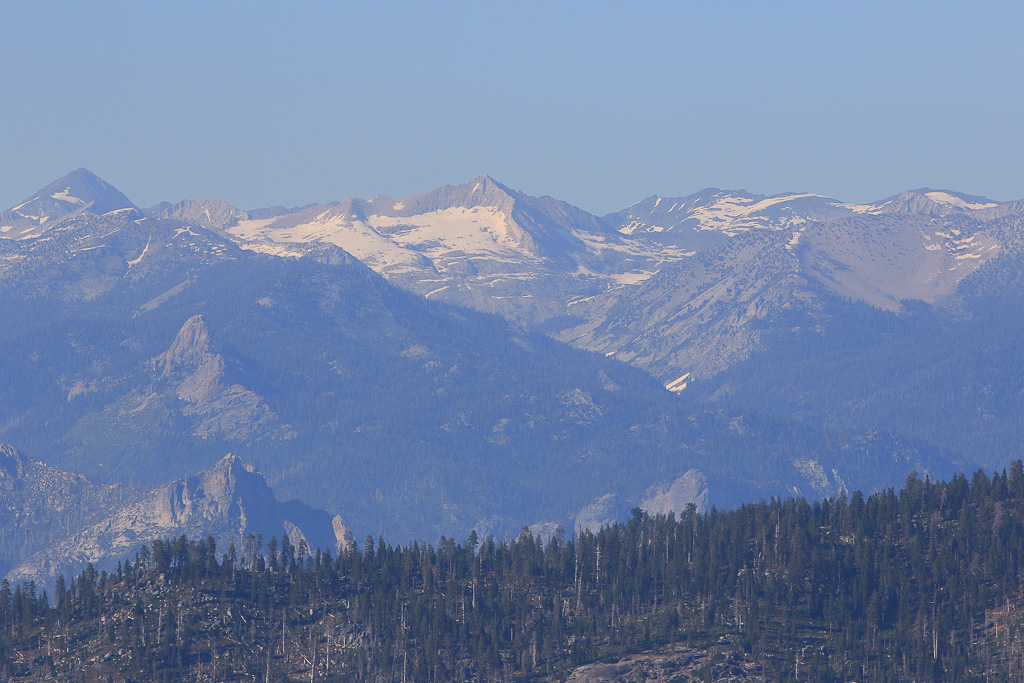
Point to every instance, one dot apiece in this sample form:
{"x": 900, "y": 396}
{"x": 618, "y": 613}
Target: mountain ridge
{"x": 481, "y": 189}
{"x": 229, "y": 501}
{"x": 404, "y": 414}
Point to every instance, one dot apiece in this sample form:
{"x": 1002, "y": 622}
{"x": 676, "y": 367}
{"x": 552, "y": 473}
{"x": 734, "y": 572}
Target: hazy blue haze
{"x": 262, "y": 103}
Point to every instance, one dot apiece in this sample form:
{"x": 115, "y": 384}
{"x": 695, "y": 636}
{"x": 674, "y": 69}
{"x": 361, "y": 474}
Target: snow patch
{"x": 794, "y": 240}
{"x": 953, "y": 200}
{"x": 678, "y": 384}
{"x": 271, "y": 249}
{"x": 633, "y": 278}
{"x": 65, "y": 197}
{"x": 731, "y": 214}
{"x": 135, "y": 261}
{"x": 38, "y": 219}
{"x": 859, "y": 208}
{"x": 185, "y": 230}
{"x": 251, "y": 229}
{"x": 632, "y": 227}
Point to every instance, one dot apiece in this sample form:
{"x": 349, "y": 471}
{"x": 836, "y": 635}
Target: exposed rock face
{"x": 818, "y": 480}
{"x": 605, "y": 511}
{"x": 724, "y": 662}
{"x": 209, "y": 213}
{"x": 689, "y": 489}
{"x": 198, "y": 375}
{"x": 40, "y": 505}
{"x": 342, "y": 535}
{"x": 191, "y": 346}
{"x": 228, "y": 501}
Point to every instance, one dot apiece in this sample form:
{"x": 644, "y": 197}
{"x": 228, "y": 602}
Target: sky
{"x": 597, "y": 103}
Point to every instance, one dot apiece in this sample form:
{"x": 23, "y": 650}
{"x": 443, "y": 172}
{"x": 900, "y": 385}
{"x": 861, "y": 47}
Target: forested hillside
{"x": 917, "y": 585}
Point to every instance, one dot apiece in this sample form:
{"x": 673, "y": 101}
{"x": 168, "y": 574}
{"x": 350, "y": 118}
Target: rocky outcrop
{"x": 689, "y": 489}
{"x": 604, "y": 511}
{"x": 40, "y": 505}
{"x": 228, "y": 501}
{"x": 198, "y": 375}
{"x": 724, "y": 662}
{"x": 209, "y": 213}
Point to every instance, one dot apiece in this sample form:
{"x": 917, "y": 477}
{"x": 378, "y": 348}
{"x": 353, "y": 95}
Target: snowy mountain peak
{"x": 80, "y": 190}
{"x": 481, "y": 191}
{"x": 724, "y": 211}
{"x": 935, "y": 202}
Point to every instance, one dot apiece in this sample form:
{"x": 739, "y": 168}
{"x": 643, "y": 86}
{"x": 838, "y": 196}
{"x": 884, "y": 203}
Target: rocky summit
{"x": 67, "y": 522}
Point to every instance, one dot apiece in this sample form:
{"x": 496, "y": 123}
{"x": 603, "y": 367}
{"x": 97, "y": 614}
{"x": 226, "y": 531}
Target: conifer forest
{"x": 920, "y": 584}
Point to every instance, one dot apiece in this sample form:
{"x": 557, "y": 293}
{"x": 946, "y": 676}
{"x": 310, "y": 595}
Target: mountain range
{"x": 408, "y": 362}
{"x": 853, "y": 315}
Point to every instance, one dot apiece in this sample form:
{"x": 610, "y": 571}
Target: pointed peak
{"x": 232, "y": 462}
{"x": 482, "y": 182}
{"x": 80, "y": 190}
{"x": 480, "y": 186}
{"x": 192, "y": 341}
{"x": 82, "y": 186}
{"x": 194, "y": 333}
{"x": 481, "y": 191}
{"x": 228, "y": 460}
{"x": 83, "y": 174}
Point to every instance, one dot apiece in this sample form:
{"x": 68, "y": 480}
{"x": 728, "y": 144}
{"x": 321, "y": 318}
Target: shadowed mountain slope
{"x": 140, "y": 350}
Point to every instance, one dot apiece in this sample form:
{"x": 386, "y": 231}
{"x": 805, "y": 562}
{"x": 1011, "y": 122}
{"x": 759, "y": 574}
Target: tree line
{"x": 922, "y": 584}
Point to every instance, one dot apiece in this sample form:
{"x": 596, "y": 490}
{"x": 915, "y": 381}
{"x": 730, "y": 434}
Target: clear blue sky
{"x": 601, "y": 104}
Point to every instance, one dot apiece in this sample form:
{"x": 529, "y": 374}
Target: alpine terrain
{"x": 142, "y": 346}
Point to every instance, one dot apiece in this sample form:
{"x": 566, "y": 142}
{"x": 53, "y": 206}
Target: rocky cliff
{"x": 229, "y": 501}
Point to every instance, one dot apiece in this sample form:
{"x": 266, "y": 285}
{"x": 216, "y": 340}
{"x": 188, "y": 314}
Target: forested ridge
{"x": 922, "y": 584}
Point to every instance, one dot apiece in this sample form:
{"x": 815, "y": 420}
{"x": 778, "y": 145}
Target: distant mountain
{"x": 902, "y": 315}
{"x": 926, "y": 201}
{"x": 139, "y": 350}
{"x": 673, "y": 285}
{"x": 76, "y": 192}
{"x": 480, "y": 244}
{"x": 70, "y": 522}
{"x": 540, "y": 261}
{"x": 713, "y": 293}
{"x": 207, "y": 213}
